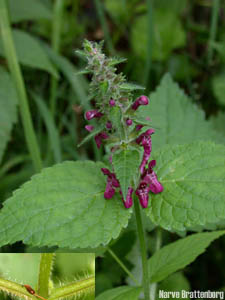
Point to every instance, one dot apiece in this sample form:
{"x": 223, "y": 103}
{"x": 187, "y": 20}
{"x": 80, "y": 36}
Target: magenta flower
{"x": 99, "y": 137}
{"x": 142, "y": 100}
{"x": 112, "y": 102}
{"x": 109, "y": 125}
{"x": 145, "y": 140}
{"x": 93, "y": 114}
{"x": 89, "y": 128}
{"x": 151, "y": 178}
{"x": 143, "y": 193}
{"x": 112, "y": 183}
{"x": 129, "y": 201}
{"x": 139, "y": 127}
{"x": 129, "y": 122}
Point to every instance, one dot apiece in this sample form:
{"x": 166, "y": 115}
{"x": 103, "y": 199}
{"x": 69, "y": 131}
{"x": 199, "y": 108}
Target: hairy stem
{"x": 84, "y": 286}
{"x": 15, "y": 289}
{"x": 45, "y": 273}
{"x": 122, "y": 266}
{"x": 15, "y": 70}
{"x": 213, "y": 28}
{"x": 141, "y": 238}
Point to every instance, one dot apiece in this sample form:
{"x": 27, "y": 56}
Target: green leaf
{"x": 30, "y": 52}
{"x": 115, "y": 117}
{"x": 126, "y": 165}
{"x": 193, "y": 177}
{"x": 131, "y": 87}
{"x": 179, "y": 254}
{"x": 91, "y": 135}
{"x": 121, "y": 293}
{"x": 28, "y": 10}
{"x": 63, "y": 206}
{"x": 165, "y": 40}
{"x": 8, "y": 110}
{"x": 218, "y": 84}
{"x": 178, "y": 119}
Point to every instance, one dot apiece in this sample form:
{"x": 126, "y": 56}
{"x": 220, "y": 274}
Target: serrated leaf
{"x": 131, "y": 87}
{"x": 179, "y": 254}
{"x": 30, "y": 52}
{"x": 63, "y": 206}
{"x": 28, "y": 10}
{"x": 121, "y": 293}
{"x": 91, "y": 135}
{"x": 178, "y": 119}
{"x": 8, "y": 110}
{"x": 193, "y": 177}
{"x": 126, "y": 165}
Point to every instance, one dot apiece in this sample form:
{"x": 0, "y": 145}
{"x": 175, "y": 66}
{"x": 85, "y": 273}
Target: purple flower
{"x": 151, "y": 178}
{"x": 142, "y": 100}
{"x": 112, "y": 102}
{"x": 93, "y": 114}
{"x": 142, "y": 193}
{"x": 109, "y": 125}
{"x": 129, "y": 122}
{"x": 112, "y": 183}
{"x": 145, "y": 140}
{"x": 99, "y": 137}
{"x": 89, "y": 128}
{"x": 139, "y": 127}
{"x": 129, "y": 201}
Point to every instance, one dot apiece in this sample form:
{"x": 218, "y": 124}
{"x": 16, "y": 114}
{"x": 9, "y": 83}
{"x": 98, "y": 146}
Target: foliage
{"x": 179, "y": 56}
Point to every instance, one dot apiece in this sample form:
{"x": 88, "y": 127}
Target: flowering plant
{"x": 118, "y": 125}
{"x": 77, "y": 204}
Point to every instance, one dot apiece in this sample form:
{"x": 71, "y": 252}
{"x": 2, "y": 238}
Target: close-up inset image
{"x": 47, "y": 276}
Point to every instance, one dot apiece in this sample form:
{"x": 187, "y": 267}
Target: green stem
{"x": 122, "y": 266}
{"x": 157, "y": 247}
{"x": 45, "y": 273}
{"x": 213, "y": 28}
{"x": 15, "y": 289}
{"x": 141, "y": 237}
{"x": 84, "y": 286}
{"x": 102, "y": 19}
{"x": 56, "y": 34}
{"x": 149, "y": 41}
{"x": 15, "y": 70}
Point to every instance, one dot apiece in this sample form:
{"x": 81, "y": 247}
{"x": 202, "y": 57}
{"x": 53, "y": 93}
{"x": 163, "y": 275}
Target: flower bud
{"x": 142, "y": 100}
{"x": 89, "y": 128}
{"x": 93, "y": 114}
{"x": 129, "y": 122}
{"x": 112, "y": 102}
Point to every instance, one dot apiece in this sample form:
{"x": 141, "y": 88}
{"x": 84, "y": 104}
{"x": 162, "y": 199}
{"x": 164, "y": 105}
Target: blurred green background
{"x": 183, "y": 37}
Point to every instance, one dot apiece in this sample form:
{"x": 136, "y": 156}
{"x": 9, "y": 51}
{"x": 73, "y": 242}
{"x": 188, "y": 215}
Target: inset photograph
{"x": 47, "y": 276}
